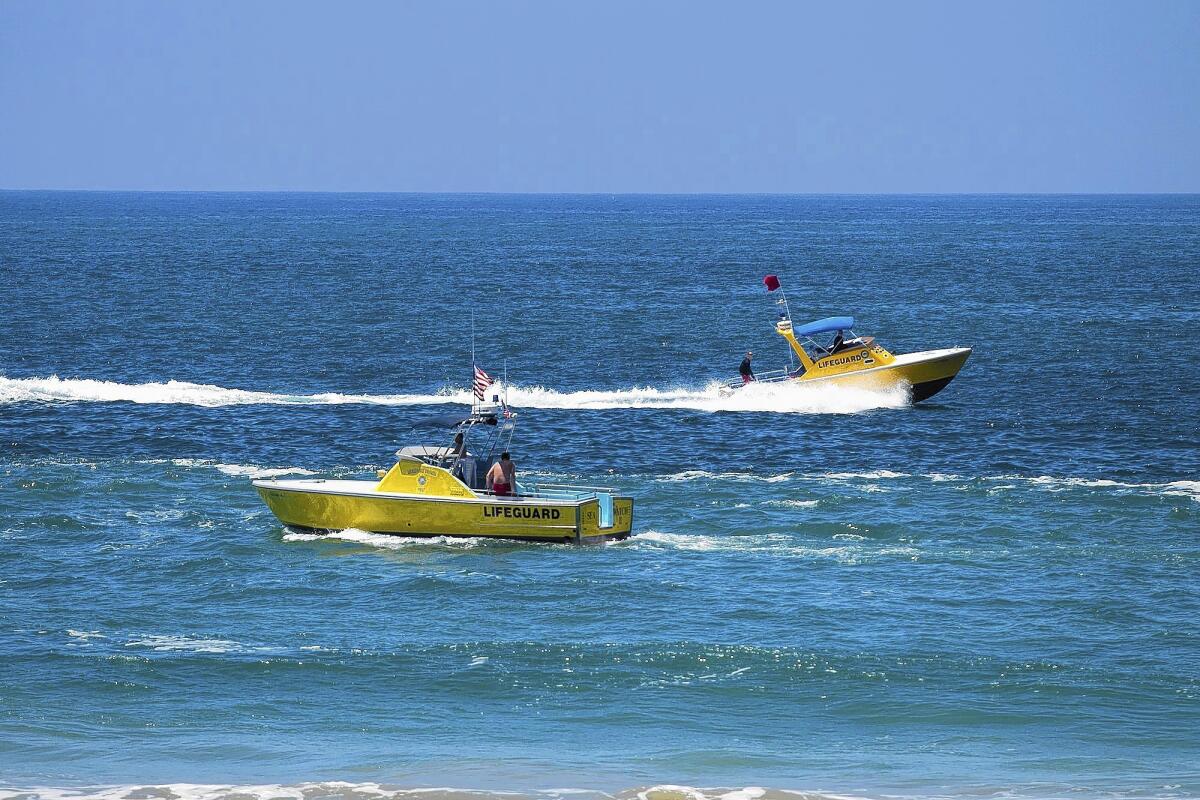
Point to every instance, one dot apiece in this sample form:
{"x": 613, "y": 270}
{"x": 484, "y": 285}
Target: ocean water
{"x": 993, "y": 593}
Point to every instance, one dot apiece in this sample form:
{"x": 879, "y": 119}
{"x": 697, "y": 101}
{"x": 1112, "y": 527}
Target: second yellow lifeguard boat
{"x": 858, "y": 361}
{"x": 441, "y": 491}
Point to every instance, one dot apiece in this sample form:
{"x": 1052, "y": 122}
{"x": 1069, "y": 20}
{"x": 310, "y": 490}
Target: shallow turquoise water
{"x": 992, "y": 592}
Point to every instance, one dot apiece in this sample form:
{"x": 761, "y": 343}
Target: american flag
{"x": 482, "y": 381}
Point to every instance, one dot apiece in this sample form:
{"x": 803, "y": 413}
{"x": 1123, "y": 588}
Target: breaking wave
{"x": 342, "y": 790}
{"x": 1048, "y": 483}
{"x": 777, "y": 398}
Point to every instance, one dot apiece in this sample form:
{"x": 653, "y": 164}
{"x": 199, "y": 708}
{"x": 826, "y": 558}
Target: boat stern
{"x": 604, "y": 518}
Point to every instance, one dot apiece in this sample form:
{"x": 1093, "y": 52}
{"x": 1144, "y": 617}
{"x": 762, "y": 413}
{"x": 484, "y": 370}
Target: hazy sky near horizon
{"x": 614, "y": 96}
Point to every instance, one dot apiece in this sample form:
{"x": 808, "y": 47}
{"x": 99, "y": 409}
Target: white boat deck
{"x": 927, "y": 355}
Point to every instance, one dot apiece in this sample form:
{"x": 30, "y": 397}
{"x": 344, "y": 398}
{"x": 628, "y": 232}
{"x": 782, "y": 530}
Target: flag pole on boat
{"x": 772, "y": 284}
{"x": 474, "y": 404}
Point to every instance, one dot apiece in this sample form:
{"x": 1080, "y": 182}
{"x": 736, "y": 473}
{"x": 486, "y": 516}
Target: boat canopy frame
{"x": 807, "y": 332}
{"x": 500, "y": 421}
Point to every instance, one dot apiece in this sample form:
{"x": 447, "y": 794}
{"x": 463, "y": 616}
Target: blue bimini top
{"x": 825, "y": 326}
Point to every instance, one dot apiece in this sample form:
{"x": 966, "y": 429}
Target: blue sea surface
{"x": 992, "y": 593}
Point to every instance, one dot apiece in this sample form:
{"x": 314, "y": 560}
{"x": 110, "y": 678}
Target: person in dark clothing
{"x": 746, "y": 372}
{"x": 839, "y": 343}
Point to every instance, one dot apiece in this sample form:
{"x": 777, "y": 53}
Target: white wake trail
{"x": 777, "y": 398}
{"x": 82, "y": 390}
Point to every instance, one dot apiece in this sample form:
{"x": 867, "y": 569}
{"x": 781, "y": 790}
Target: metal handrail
{"x": 771, "y": 376}
{"x": 545, "y": 490}
{"x": 574, "y": 488}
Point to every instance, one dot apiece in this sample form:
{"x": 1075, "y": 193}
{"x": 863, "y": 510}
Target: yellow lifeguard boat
{"x": 858, "y": 361}
{"x": 440, "y": 491}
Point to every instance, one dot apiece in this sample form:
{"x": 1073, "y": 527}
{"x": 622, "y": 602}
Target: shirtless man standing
{"x": 502, "y": 477}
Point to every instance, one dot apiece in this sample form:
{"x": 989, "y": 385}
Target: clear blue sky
{"x": 602, "y": 96}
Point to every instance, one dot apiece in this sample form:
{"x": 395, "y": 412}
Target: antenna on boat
{"x": 773, "y": 285}
{"x": 474, "y": 403}
{"x": 786, "y": 314}
{"x": 782, "y": 302}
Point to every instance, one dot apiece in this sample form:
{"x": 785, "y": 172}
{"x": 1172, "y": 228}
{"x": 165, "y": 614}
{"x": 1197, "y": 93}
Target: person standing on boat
{"x": 745, "y": 370}
{"x": 502, "y": 477}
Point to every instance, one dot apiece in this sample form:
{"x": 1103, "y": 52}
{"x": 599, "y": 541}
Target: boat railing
{"x": 770, "y": 376}
{"x": 555, "y": 491}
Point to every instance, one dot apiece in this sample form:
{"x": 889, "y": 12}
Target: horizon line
{"x": 611, "y": 193}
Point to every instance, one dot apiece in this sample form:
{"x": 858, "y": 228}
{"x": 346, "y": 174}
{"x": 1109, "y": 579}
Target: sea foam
{"x": 343, "y": 790}
{"x": 778, "y": 398}
{"x": 386, "y": 541}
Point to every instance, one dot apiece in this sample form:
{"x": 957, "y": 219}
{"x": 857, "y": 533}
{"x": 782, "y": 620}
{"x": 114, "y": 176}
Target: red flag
{"x": 771, "y": 282}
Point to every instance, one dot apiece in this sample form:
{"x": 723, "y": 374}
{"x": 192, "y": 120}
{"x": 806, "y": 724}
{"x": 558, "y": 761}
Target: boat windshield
{"x": 842, "y": 339}
{"x": 478, "y": 440}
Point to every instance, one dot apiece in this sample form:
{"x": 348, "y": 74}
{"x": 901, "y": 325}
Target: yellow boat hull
{"x": 926, "y": 373}
{"x": 339, "y": 505}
